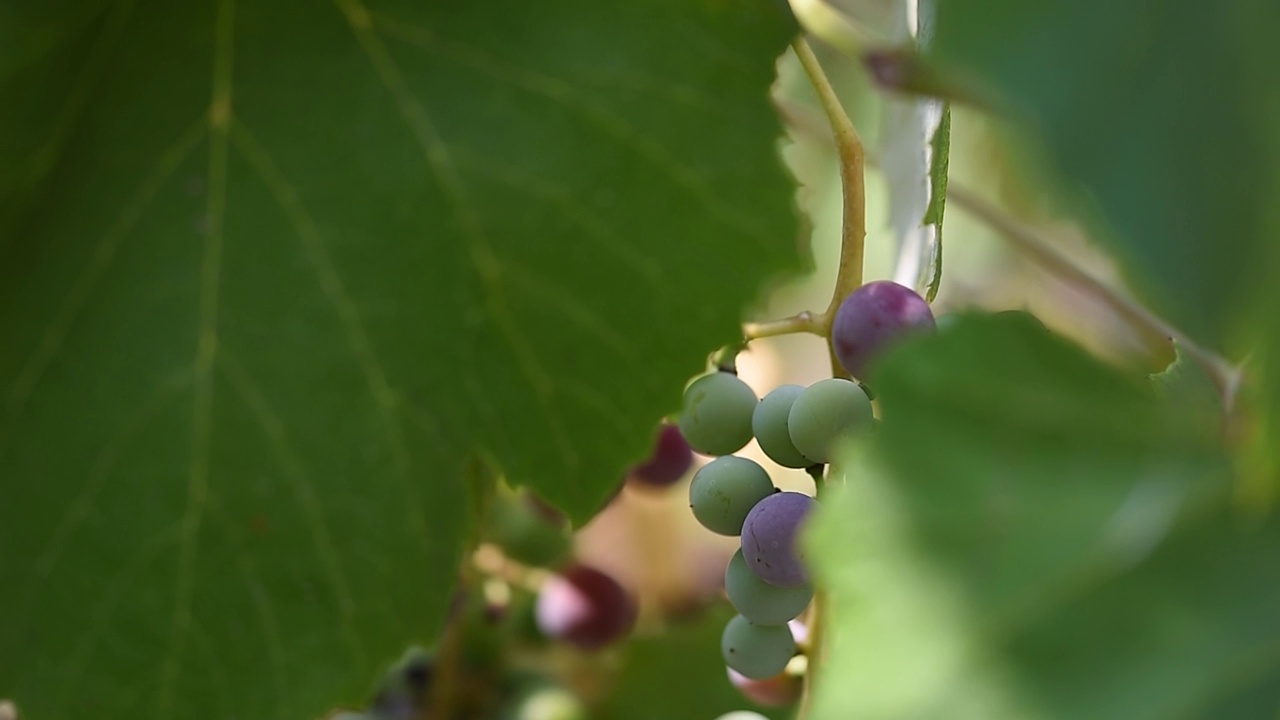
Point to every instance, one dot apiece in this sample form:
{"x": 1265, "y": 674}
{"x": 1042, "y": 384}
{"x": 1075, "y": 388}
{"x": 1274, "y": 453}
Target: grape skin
{"x": 778, "y": 691}
{"x": 670, "y": 460}
{"x": 770, "y": 425}
{"x": 825, "y": 411}
{"x": 742, "y": 715}
{"x": 724, "y": 490}
{"x": 585, "y": 607}
{"x": 758, "y": 652}
{"x": 873, "y": 318}
{"x": 544, "y": 701}
{"x": 716, "y": 419}
{"x": 757, "y": 600}
{"x": 769, "y": 537}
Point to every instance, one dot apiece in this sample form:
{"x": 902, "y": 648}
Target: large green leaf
{"x": 271, "y": 273}
{"x": 1036, "y": 535}
{"x": 1167, "y": 113}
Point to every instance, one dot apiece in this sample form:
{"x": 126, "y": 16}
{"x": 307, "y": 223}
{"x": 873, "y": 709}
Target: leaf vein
{"x": 482, "y": 255}
{"x": 562, "y": 91}
{"x": 274, "y": 431}
{"x": 290, "y": 201}
{"x": 205, "y": 355}
{"x": 78, "y": 294}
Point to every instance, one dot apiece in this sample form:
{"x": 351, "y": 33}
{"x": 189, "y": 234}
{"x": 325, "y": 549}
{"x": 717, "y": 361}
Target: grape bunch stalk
{"x": 767, "y": 580}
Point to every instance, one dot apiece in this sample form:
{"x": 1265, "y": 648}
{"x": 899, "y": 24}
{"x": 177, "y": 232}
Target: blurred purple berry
{"x": 671, "y": 459}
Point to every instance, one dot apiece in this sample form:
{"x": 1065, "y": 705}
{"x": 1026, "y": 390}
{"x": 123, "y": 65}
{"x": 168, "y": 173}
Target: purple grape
{"x": 769, "y": 537}
{"x": 585, "y": 607}
{"x": 874, "y": 317}
{"x": 671, "y": 459}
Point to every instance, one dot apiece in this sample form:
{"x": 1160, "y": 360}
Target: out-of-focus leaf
{"x": 1035, "y": 535}
{"x": 1185, "y": 385}
{"x": 1166, "y": 113}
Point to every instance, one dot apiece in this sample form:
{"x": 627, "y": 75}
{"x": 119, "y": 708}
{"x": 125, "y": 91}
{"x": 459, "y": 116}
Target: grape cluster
{"x": 766, "y": 580}
{"x": 797, "y": 427}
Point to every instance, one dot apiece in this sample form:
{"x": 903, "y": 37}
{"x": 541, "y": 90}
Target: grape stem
{"x": 1225, "y": 375}
{"x": 853, "y": 234}
{"x": 852, "y": 167}
{"x": 444, "y": 696}
{"x": 819, "y": 611}
{"x": 805, "y": 322}
{"x": 834, "y": 28}
{"x": 853, "y": 231}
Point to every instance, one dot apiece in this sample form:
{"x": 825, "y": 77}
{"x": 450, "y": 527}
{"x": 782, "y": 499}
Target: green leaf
{"x": 1035, "y": 535}
{"x": 1166, "y": 113}
{"x": 678, "y": 674}
{"x": 272, "y": 274}
{"x": 1186, "y": 384}
{"x": 939, "y": 169}
{"x": 939, "y": 155}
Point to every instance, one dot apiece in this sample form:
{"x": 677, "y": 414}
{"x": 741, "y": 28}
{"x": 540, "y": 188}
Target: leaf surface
{"x": 272, "y": 274}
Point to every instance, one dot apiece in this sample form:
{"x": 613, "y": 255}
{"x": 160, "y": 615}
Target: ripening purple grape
{"x": 585, "y": 607}
{"x": 671, "y": 459}
{"x": 769, "y": 538}
{"x": 780, "y": 690}
{"x": 874, "y": 317}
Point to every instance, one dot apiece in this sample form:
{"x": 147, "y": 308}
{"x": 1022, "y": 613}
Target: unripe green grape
{"x": 724, "y": 490}
{"x": 823, "y": 413}
{"x": 769, "y": 423}
{"x": 716, "y": 419}
{"x": 528, "y": 530}
{"x": 756, "y": 651}
{"x": 759, "y": 601}
{"x": 543, "y": 701}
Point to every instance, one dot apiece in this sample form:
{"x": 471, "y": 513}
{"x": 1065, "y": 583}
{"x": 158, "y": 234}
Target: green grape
{"x": 527, "y": 529}
{"x": 724, "y": 490}
{"x": 541, "y": 700}
{"x": 756, "y": 651}
{"x": 759, "y": 601}
{"x": 826, "y": 411}
{"x": 769, "y": 422}
{"x": 716, "y": 419}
